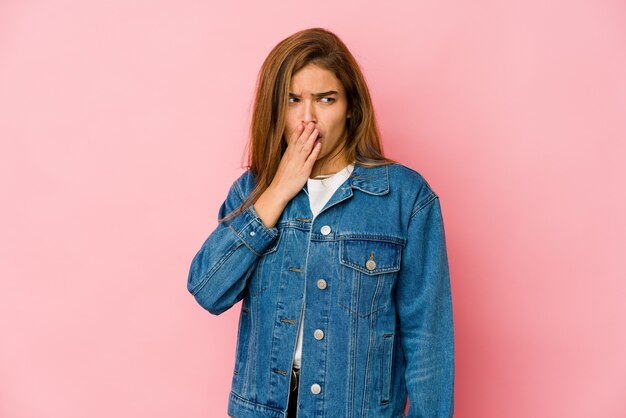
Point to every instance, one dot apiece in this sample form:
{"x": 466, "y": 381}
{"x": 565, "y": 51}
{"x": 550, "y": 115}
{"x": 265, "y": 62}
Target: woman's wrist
{"x": 269, "y": 206}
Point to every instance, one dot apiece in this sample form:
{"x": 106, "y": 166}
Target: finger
{"x": 313, "y": 156}
{"x": 296, "y": 134}
{"x": 306, "y": 133}
{"x": 310, "y": 141}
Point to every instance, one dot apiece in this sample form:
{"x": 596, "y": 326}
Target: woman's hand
{"x": 293, "y": 171}
{"x": 297, "y": 162}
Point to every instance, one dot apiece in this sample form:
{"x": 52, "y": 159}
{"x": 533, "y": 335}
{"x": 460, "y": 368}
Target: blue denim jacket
{"x": 377, "y": 313}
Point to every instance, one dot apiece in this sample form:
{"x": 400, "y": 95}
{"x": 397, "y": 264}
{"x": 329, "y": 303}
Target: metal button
{"x": 325, "y": 230}
{"x": 315, "y": 388}
{"x": 321, "y": 283}
{"x": 318, "y": 334}
{"x": 370, "y": 264}
{"x": 252, "y": 233}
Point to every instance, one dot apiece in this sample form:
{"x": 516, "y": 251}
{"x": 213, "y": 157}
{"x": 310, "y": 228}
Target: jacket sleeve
{"x": 424, "y": 309}
{"x": 219, "y": 272}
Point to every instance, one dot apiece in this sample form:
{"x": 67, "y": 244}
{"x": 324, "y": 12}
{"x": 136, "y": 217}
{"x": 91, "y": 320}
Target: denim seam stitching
{"x": 211, "y": 272}
{"x": 255, "y": 217}
{"x": 239, "y": 192}
{"x": 371, "y": 237}
{"x": 385, "y": 388}
{"x": 376, "y": 271}
{"x": 421, "y": 206}
{"x": 252, "y": 403}
{"x": 242, "y": 239}
{"x": 368, "y": 365}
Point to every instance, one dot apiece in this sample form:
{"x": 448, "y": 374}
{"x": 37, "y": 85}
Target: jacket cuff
{"x": 252, "y": 231}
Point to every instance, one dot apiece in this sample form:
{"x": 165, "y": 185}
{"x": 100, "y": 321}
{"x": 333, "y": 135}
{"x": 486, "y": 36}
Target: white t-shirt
{"x": 321, "y": 189}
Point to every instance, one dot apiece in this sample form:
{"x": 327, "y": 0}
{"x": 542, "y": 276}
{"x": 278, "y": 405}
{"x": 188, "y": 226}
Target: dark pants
{"x": 293, "y": 396}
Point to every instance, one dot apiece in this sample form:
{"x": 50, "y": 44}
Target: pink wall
{"x": 123, "y": 124}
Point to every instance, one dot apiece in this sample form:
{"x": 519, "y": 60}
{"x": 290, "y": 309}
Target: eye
{"x": 292, "y": 100}
{"x": 330, "y": 99}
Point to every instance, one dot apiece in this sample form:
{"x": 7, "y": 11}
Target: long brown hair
{"x": 324, "y": 49}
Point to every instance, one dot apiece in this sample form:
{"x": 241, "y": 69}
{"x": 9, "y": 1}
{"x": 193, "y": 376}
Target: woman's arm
{"x": 425, "y": 314}
{"x": 220, "y": 270}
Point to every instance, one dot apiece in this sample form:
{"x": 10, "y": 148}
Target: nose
{"x": 308, "y": 113}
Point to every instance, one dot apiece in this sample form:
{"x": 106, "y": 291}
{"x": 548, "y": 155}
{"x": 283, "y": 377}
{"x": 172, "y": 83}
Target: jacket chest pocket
{"x": 367, "y": 273}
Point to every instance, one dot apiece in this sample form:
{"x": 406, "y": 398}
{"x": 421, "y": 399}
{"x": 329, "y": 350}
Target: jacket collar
{"x": 372, "y": 180}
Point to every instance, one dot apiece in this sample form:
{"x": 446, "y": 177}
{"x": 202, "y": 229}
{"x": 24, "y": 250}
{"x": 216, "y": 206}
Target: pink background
{"x": 124, "y": 123}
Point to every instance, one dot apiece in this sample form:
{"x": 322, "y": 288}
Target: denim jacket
{"x": 377, "y": 314}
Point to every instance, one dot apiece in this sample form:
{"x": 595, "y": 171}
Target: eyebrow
{"x": 323, "y": 94}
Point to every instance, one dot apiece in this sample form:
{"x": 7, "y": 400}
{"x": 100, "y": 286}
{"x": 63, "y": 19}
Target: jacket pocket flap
{"x": 370, "y": 256}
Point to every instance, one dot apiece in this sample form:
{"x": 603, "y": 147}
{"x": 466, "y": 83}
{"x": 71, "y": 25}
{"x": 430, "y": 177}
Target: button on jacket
{"x": 377, "y": 314}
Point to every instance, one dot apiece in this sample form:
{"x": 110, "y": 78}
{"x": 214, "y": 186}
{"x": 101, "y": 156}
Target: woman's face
{"x": 316, "y": 95}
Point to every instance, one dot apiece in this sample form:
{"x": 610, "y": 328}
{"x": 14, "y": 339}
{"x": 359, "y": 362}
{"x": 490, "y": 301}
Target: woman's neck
{"x": 328, "y": 170}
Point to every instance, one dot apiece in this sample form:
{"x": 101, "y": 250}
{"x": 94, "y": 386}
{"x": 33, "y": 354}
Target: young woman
{"x": 337, "y": 252}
